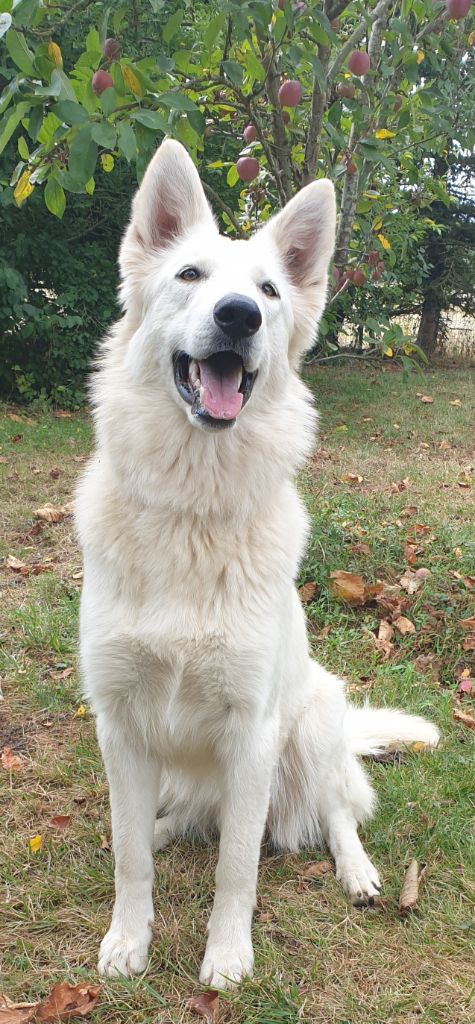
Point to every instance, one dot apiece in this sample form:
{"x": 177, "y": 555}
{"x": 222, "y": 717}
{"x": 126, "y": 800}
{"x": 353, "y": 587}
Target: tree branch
{"x": 317, "y": 111}
{"x": 216, "y": 199}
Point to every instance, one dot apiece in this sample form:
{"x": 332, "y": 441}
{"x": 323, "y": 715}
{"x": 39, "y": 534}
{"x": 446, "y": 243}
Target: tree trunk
{"x": 427, "y": 336}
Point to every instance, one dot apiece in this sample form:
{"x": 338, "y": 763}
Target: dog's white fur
{"x": 194, "y": 647}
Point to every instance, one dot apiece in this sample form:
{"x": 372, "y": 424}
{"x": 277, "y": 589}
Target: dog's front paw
{"x": 123, "y": 955}
{"x": 224, "y": 967}
{"x": 359, "y": 879}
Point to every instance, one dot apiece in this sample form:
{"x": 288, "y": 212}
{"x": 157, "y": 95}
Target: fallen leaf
{"x": 404, "y": 625}
{"x": 66, "y": 1001}
{"x": 265, "y": 917}
{"x": 80, "y": 711}
{"x": 15, "y": 564}
{"x": 464, "y": 717}
{"x": 456, "y": 401}
{"x": 412, "y": 580}
{"x": 16, "y": 438}
{"x": 347, "y": 586}
{"x": 15, "y": 1013}
{"x": 35, "y": 843}
{"x": 384, "y": 637}
{"x": 3, "y": 461}
{"x": 60, "y": 821}
{"x": 307, "y": 592}
{"x": 466, "y": 687}
{"x": 206, "y": 1005}
{"x": 360, "y": 549}
{"x": 105, "y": 844}
{"x": 400, "y": 485}
{"x": 11, "y": 762}
{"x": 351, "y": 478}
{"x": 62, "y": 414}
{"x": 411, "y": 552}
{"x": 469, "y": 642}
{"x": 317, "y": 869}
{"x": 53, "y": 513}
{"x": 410, "y": 889}
{"x": 427, "y": 399}
{"x": 407, "y": 511}
{"x": 468, "y": 623}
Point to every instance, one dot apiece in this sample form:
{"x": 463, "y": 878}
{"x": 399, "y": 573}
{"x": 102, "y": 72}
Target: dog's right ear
{"x": 169, "y": 203}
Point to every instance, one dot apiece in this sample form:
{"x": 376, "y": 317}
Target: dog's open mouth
{"x": 217, "y": 388}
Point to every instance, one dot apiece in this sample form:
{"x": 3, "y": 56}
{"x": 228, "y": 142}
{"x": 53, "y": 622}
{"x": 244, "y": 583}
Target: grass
{"x": 317, "y": 959}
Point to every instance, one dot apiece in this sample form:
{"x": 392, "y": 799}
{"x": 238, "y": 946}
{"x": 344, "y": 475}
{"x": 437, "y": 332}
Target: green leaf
{"x": 197, "y": 121}
{"x": 127, "y": 143}
{"x": 35, "y": 122}
{"x": 104, "y": 134}
{"x": 82, "y": 156}
{"x": 70, "y": 112}
{"x": 232, "y": 176}
{"x": 109, "y": 101}
{"x": 150, "y": 119}
{"x": 213, "y": 30}
{"x": 254, "y": 67}
{"x": 55, "y": 199}
{"x": 66, "y": 91}
{"x": 172, "y": 25}
{"x": 233, "y": 71}
{"x": 23, "y": 148}
{"x": 164, "y": 64}
{"x": 10, "y": 123}
{"x": 19, "y": 52}
{"x": 177, "y": 101}
{"x": 25, "y": 11}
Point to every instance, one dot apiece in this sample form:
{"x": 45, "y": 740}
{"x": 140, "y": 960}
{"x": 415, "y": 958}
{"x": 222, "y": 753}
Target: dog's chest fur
{"x": 188, "y": 617}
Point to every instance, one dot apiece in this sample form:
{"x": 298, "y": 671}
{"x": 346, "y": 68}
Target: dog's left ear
{"x": 170, "y": 200}
{"x": 304, "y": 233}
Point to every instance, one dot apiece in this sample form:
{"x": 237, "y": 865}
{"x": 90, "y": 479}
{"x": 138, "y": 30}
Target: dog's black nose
{"x": 237, "y": 316}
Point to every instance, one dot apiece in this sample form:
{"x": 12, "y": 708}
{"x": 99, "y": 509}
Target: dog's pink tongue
{"x": 220, "y": 393}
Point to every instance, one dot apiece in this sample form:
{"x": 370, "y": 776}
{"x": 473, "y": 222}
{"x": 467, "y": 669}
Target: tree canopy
{"x": 266, "y": 96}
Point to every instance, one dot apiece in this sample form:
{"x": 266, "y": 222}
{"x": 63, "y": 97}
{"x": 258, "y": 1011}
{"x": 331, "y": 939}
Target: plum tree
{"x": 290, "y": 93}
{"x": 359, "y": 62}
{"x": 247, "y": 168}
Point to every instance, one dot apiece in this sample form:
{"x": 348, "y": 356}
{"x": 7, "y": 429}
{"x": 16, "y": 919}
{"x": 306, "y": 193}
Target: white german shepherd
{"x": 194, "y": 650}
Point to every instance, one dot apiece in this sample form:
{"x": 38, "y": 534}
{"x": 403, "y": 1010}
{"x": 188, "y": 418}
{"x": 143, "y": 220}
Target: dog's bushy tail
{"x": 372, "y": 730}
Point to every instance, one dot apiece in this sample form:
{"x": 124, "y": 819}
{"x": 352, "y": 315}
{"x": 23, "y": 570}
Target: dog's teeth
{"x": 194, "y": 373}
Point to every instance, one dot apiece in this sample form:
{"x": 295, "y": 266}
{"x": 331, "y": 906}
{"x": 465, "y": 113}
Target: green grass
{"x": 317, "y": 959}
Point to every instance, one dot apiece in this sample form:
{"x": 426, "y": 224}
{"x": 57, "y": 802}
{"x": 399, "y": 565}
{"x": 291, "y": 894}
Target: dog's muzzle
{"x": 218, "y": 386}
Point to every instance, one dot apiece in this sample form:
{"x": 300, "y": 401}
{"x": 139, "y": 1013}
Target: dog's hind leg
{"x": 164, "y": 831}
{"x": 320, "y": 792}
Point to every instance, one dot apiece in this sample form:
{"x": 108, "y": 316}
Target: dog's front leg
{"x": 244, "y": 807}
{"x": 133, "y": 784}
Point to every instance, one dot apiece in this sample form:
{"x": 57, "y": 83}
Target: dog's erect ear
{"x": 170, "y": 200}
{"x": 304, "y": 233}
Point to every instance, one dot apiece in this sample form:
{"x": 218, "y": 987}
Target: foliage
{"x": 200, "y": 72}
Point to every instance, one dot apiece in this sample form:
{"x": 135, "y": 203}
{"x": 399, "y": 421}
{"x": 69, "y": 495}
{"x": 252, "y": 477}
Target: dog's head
{"x": 217, "y": 321}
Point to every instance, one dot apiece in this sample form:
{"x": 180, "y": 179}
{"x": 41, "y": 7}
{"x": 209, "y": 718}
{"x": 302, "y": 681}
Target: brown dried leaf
{"x": 206, "y": 1005}
{"x": 469, "y": 642}
{"x": 466, "y": 687}
{"x": 307, "y": 592}
{"x": 400, "y": 485}
{"x": 53, "y": 513}
{"x": 317, "y": 869}
{"x": 16, "y": 438}
{"x": 55, "y": 473}
{"x": 408, "y": 511}
{"x": 410, "y": 888}
{"x": 351, "y": 478}
{"x": 15, "y": 564}
{"x": 468, "y": 623}
{"x": 60, "y": 821}
{"x": 464, "y": 717}
{"x": 105, "y": 844}
{"x": 383, "y": 640}
{"x": 347, "y": 586}
{"x": 66, "y": 1001}
{"x": 63, "y": 1003}
{"x": 427, "y": 399}
{"x": 11, "y": 762}
{"x": 404, "y": 625}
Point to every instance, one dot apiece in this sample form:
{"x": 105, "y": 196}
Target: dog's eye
{"x": 269, "y": 289}
{"x": 189, "y": 274}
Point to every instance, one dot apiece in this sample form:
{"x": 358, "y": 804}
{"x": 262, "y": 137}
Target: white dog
{"x": 194, "y": 650}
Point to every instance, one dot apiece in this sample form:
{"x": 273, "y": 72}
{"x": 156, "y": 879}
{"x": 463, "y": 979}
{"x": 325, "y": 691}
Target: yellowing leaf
{"x": 54, "y": 54}
{"x": 107, "y": 162}
{"x": 384, "y": 133}
{"x": 377, "y": 224}
{"x": 384, "y": 242}
{"x": 408, "y": 349}
{"x": 80, "y": 711}
{"x": 23, "y": 188}
{"x": 388, "y": 352}
{"x": 35, "y": 843}
{"x": 420, "y": 56}
{"x": 131, "y": 81}
{"x": 371, "y": 195}
{"x": 471, "y": 39}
